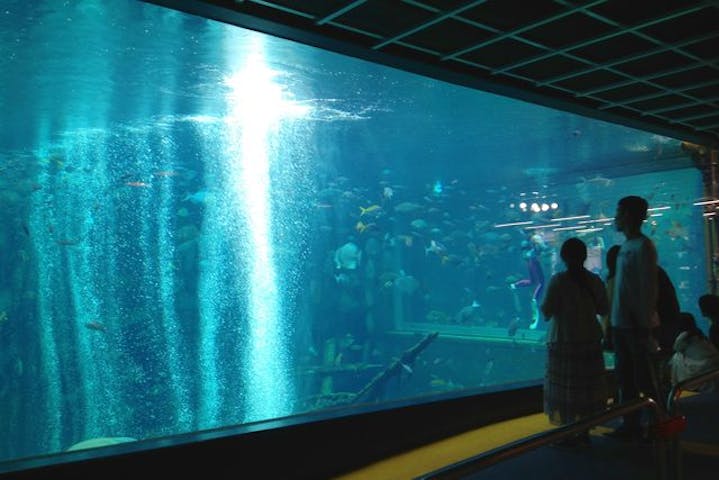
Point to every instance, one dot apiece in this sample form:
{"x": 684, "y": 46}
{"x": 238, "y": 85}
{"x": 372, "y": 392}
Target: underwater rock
{"x": 469, "y": 315}
{"x": 437, "y": 316}
{"x": 100, "y": 442}
{"x": 348, "y": 256}
{"x": 406, "y": 284}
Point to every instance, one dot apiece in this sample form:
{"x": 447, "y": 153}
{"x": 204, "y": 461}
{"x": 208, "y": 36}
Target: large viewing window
{"x": 205, "y": 226}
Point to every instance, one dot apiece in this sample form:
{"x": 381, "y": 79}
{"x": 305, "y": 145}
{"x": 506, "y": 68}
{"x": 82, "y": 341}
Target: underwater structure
{"x": 225, "y": 228}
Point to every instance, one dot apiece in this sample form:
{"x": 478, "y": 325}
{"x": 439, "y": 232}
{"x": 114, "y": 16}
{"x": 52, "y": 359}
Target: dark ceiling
{"x": 649, "y": 64}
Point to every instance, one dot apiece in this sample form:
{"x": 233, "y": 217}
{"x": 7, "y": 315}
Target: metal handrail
{"x": 675, "y": 450}
{"x": 687, "y": 384}
{"x": 514, "y": 449}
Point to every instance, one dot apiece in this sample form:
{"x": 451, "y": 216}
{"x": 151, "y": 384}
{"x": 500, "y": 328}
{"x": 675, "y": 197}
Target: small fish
{"x": 343, "y": 279}
{"x": 419, "y": 224}
{"x": 677, "y": 230}
{"x": 361, "y": 226}
{"x": 198, "y": 197}
{"x": 437, "y": 188}
{"x": 407, "y": 207}
{"x": 370, "y": 209}
{"x": 437, "y": 248}
{"x": 437, "y": 383}
{"x": 138, "y": 184}
{"x": 66, "y": 242}
{"x": 165, "y": 173}
{"x": 452, "y": 259}
{"x": 348, "y": 256}
{"x": 598, "y": 180}
{"x": 408, "y": 240}
{"x": 97, "y": 326}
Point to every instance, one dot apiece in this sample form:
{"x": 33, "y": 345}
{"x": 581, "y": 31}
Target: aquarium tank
{"x": 206, "y": 226}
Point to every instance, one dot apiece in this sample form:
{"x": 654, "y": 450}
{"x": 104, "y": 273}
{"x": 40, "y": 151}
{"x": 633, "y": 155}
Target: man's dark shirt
{"x": 668, "y": 312}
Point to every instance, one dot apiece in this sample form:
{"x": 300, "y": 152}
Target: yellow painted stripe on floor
{"x": 444, "y": 452}
{"x": 700, "y": 448}
{"x": 436, "y": 455}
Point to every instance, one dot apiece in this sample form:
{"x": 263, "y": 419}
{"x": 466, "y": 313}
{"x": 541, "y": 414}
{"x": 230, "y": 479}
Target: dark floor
{"x": 605, "y": 459}
{"x": 608, "y": 458}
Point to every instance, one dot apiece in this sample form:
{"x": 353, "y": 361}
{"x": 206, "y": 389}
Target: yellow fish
{"x": 369, "y": 209}
{"x": 361, "y": 227}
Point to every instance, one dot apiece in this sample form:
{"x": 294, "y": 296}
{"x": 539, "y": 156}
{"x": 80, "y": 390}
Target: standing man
{"x": 634, "y": 312}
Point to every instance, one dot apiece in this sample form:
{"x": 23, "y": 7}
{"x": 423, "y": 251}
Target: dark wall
{"x": 316, "y": 449}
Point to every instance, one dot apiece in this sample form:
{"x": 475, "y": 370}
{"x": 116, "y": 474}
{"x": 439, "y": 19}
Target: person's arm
{"x": 601, "y": 297}
{"x": 550, "y": 305}
{"x": 647, "y": 294}
{"x": 607, "y": 319}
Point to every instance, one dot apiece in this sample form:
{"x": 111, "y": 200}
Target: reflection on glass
{"x": 205, "y": 227}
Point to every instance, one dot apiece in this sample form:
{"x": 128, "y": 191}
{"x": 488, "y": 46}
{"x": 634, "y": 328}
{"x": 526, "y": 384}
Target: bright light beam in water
{"x": 256, "y": 105}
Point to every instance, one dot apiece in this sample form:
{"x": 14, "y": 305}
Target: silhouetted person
{"x": 668, "y": 312}
{"x": 709, "y": 306}
{"x": 611, "y": 262}
{"x": 694, "y": 354}
{"x": 575, "y": 381}
{"x": 669, "y": 328}
{"x": 633, "y": 312}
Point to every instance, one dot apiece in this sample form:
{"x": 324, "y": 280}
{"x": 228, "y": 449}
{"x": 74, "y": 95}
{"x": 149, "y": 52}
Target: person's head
{"x": 573, "y": 253}
{"x": 631, "y": 212}
{"x": 611, "y": 259}
{"x": 709, "y": 306}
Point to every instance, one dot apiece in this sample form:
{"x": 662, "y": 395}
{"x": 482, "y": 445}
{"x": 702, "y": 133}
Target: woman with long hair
{"x": 575, "y": 381}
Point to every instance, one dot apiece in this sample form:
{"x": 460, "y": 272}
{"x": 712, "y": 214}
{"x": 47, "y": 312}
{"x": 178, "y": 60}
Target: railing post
{"x": 677, "y": 457}
{"x": 660, "y": 452}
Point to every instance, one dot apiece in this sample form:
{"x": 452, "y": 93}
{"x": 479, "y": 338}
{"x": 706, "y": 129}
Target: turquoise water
{"x": 205, "y": 226}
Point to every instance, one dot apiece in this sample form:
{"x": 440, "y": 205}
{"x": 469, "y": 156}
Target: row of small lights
{"x": 705, "y": 203}
{"x": 536, "y": 207}
{"x": 585, "y": 220}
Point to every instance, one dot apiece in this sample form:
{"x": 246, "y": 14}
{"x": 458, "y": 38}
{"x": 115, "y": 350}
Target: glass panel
{"x": 204, "y": 226}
